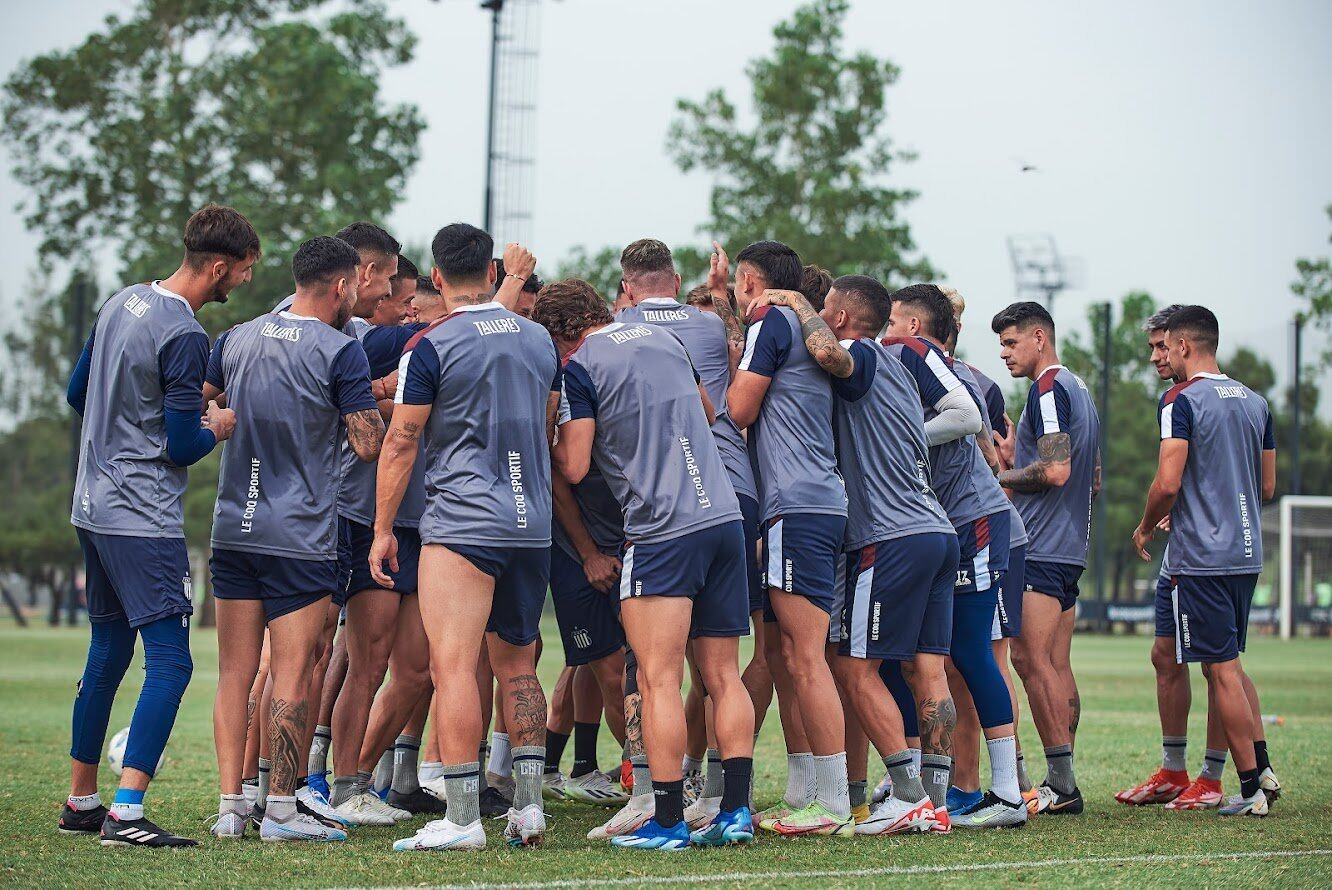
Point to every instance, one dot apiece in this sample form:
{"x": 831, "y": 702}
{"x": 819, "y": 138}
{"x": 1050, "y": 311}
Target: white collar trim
{"x": 613, "y": 326}
{"x": 1209, "y": 376}
{"x": 157, "y": 286}
{"x": 659, "y": 301}
{"x": 1049, "y": 367}
{"x": 292, "y": 316}
{"x": 478, "y": 307}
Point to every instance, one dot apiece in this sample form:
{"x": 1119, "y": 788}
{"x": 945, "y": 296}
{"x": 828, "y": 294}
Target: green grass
{"x": 1117, "y": 745}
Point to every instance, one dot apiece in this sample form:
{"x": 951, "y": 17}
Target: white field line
{"x": 746, "y": 877}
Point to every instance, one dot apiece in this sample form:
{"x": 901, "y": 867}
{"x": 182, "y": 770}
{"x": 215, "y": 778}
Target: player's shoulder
{"x": 1175, "y": 392}
{"x": 902, "y": 345}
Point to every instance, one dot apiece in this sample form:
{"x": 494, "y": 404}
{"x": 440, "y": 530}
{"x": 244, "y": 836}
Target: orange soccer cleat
{"x": 1162, "y": 786}
{"x": 1203, "y": 794}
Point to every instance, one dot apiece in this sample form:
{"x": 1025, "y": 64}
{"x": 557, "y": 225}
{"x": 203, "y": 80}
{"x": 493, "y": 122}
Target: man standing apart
{"x": 1056, "y": 473}
{"x": 1218, "y": 458}
{"x": 137, "y": 385}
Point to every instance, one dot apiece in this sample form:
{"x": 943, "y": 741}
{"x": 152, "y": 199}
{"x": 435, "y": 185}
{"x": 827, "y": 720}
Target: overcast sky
{"x": 1183, "y": 147}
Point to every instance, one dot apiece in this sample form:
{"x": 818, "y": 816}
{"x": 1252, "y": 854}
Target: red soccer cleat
{"x": 1163, "y": 786}
{"x": 1203, "y": 794}
{"x": 626, "y": 775}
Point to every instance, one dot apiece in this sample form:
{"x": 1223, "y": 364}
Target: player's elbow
{"x": 1057, "y": 473}
{"x": 574, "y": 467}
{"x": 1168, "y": 488}
{"x": 742, "y": 414}
{"x": 1269, "y": 489}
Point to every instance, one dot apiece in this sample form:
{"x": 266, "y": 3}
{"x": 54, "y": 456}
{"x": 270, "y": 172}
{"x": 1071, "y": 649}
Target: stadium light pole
{"x": 1107, "y": 349}
{"x": 495, "y": 7}
{"x": 1298, "y": 408}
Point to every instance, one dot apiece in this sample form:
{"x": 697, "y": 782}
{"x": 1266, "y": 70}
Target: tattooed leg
{"x": 934, "y": 704}
{"x": 295, "y": 646}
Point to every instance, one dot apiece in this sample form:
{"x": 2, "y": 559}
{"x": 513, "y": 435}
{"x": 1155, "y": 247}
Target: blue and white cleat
{"x": 1246, "y": 806}
{"x": 651, "y": 836}
{"x": 442, "y": 834}
{"x": 299, "y": 827}
{"x": 735, "y": 827}
{"x": 318, "y": 783}
{"x": 960, "y": 802}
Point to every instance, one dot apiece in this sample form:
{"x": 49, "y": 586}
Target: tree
{"x": 811, "y": 171}
{"x": 255, "y": 103}
{"x": 1314, "y": 286}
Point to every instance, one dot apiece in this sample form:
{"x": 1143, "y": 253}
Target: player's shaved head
{"x": 928, "y": 303}
{"x": 1196, "y": 324}
{"x": 864, "y": 299}
{"x": 568, "y": 308}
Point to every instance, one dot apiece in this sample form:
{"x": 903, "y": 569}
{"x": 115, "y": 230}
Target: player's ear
{"x": 437, "y": 278}
{"x": 492, "y": 274}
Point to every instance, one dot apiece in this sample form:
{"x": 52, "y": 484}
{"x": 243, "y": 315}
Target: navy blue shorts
{"x": 900, "y": 598}
{"x": 758, "y": 591}
{"x": 1056, "y": 579}
{"x": 707, "y": 565}
{"x": 138, "y": 580}
{"x": 521, "y": 575}
{"x": 983, "y": 556}
{"x": 588, "y": 619}
{"x": 1211, "y": 616}
{"x": 282, "y": 583}
{"x": 1164, "y": 605}
{"x": 800, "y": 556}
{"x": 1008, "y": 607}
{"x": 354, "y": 542}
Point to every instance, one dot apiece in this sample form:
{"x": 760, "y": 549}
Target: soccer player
{"x": 297, "y": 381}
{"x": 1217, "y": 465}
{"x": 1056, "y": 472}
{"x": 394, "y": 309}
{"x": 782, "y": 395}
{"x": 652, "y": 285}
{"x": 137, "y": 385}
{"x": 633, "y": 404}
{"x": 482, "y": 385}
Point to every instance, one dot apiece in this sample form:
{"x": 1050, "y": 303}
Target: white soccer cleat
{"x": 1270, "y": 784}
{"x": 552, "y": 785}
{"x": 442, "y": 834}
{"x": 699, "y": 814}
{"x": 525, "y": 827}
{"x": 883, "y": 790}
{"x": 366, "y": 809}
{"x": 318, "y": 804}
{"x": 299, "y": 827}
{"x": 1246, "y": 806}
{"x": 629, "y": 819}
{"x": 893, "y": 816}
{"x": 596, "y": 789}
{"x": 228, "y": 825}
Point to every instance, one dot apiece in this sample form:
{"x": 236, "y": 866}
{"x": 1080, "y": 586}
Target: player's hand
{"x": 385, "y": 387}
{"x": 602, "y": 571}
{"x": 1005, "y": 444}
{"x": 774, "y": 298}
{"x": 1164, "y": 524}
{"x": 1141, "y": 538}
{"x": 384, "y": 550}
{"x": 222, "y": 421}
{"x": 719, "y": 271}
{"x": 519, "y": 261}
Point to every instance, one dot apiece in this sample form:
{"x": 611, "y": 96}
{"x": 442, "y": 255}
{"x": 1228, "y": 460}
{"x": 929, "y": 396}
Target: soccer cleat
{"x": 693, "y": 786}
{"x": 230, "y": 824}
{"x": 256, "y": 815}
{"x": 1203, "y": 794}
{"x": 701, "y": 812}
{"x": 299, "y": 827}
{"x": 959, "y": 801}
{"x": 629, "y": 819}
{"x": 893, "y": 816}
{"x": 725, "y": 829}
{"x": 493, "y": 803}
{"x": 943, "y": 823}
{"x": 882, "y": 790}
{"x": 444, "y": 835}
{"x": 366, "y": 809}
{"x": 1246, "y": 806}
{"x": 814, "y": 819}
{"x": 310, "y": 802}
{"x": 525, "y": 827}
{"x": 319, "y": 783}
{"x": 627, "y": 775}
{"x": 552, "y": 785}
{"x": 434, "y": 787}
{"x": 416, "y": 802}
{"x": 992, "y": 812}
{"x": 860, "y": 813}
{"x": 1270, "y": 784}
{"x": 1162, "y": 786}
{"x": 596, "y": 789}
{"x": 1052, "y": 803}
{"x": 139, "y": 833}
{"x": 768, "y": 818}
{"x": 1032, "y": 798}
{"x": 504, "y": 784}
{"x": 74, "y": 821}
{"x": 651, "y": 836}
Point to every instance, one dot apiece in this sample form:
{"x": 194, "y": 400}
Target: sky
{"x": 1181, "y": 147}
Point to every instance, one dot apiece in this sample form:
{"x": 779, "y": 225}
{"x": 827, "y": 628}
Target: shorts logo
{"x": 1003, "y": 612}
{"x": 581, "y": 639}
{"x": 189, "y": 590}
{"x": 1184, "y": 629}
{"x": 638, "y": 588}
{"x": 788, "y": 575}
{"x": 874, "y": 621}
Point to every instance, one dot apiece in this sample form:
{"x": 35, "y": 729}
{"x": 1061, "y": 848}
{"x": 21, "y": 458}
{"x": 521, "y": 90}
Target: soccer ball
{"x": 115, "y": 752}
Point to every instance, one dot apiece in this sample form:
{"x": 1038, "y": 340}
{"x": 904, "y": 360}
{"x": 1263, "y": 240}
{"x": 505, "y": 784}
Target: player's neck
{"x": 1202, "y": 365}
{"x": 1045, "y": 363}
{"x": 193, "y": 289}
{"x": 309, "y": 305}
{"x": 656, "y": 296}
{"x": 467, "y": 293}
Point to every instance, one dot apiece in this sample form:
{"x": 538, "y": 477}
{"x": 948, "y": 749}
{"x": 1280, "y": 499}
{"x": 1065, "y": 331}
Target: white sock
{"x": 430, "y": 770}
{"x": 692, "y": 765}
{"x": 501, "y": 755}
{"x": 250, "y": 792}
{"x": 1003, "y": 768}
{"x": 264, "y": 766}
{"x": 84, "y": 802}
{"x": 799, "y": 780}
{"x": 830, "y": 783}
{"x": 915, "y": 757}
{"x": 233, "y": 803}
{"x": 127, "y": 812}
{"x": 280, "y": 806}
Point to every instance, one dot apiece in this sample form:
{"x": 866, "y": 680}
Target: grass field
{"x": 1110, "y": 845}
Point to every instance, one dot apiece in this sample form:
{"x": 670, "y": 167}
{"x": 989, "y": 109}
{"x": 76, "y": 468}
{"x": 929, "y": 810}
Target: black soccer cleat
{"x": 256, "y": 817}
{"x": 493, "y": 803}
{"x": 1055, "y": 803}
{"x": 416, "y": 802}
{"x": 139, "y": 833}
{"x": 74, "y": 821}
{"x": 305, "y": 810}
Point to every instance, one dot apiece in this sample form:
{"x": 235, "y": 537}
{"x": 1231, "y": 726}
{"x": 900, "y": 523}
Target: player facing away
{"x": 634, "y": 405}
{"x": 784, "y": 398}
{"x": 137, "y": 385}
{"x": 296, "y": 381}
{"x": 1056, "y": 472}
{"x": 481, "y": 385}
{"x": 1217, "y": 465}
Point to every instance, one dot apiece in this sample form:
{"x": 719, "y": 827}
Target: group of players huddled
{"x": 415, "y": 460}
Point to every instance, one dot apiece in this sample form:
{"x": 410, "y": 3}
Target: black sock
{"x": 585, "y": 748}
{"x": 669, "y": 798}
{"x": 1248, "y": 782}
{"x": 555, "y": 742}
{"x": 735, "y": 777}
{"x": 1260, "y": 754}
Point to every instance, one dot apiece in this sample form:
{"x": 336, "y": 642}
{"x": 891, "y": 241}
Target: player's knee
{"x": 1163, "y": 657}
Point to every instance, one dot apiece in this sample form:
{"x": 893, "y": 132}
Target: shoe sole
{"x": 64, "y": 830}
{"x": 283, "y": 840}
{"x": 107, "y": 843}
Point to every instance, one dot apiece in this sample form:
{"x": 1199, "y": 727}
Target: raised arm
{"x": 519, "y": 263}
{"x": 718, "y": 277}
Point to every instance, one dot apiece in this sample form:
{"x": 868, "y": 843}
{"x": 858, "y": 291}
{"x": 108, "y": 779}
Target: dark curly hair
{"x": 568, "y": 308}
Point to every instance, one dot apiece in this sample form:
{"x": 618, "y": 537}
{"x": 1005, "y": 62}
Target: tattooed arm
{"x": 822, "y": 344}
{"x": 718, "y": 273}
{"x": 395, "y": 469}
{"x": 1050, "y": 470}
{"x": 552, "y": 415}
{"x": 365, "y": 433}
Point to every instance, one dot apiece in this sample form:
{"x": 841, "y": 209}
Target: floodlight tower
{"x": 511, "y": 130}
{"x": 1037, "y": 268}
